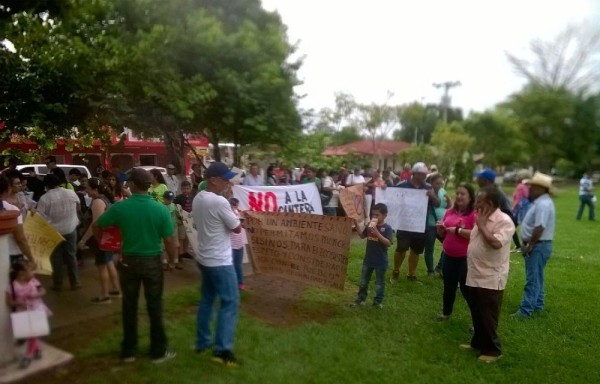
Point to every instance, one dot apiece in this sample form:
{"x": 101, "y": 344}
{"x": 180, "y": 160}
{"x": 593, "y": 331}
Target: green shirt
{"x": 202, "y": 186}
{"x": 143, "y": 222}
{"x": 158, "y": 192}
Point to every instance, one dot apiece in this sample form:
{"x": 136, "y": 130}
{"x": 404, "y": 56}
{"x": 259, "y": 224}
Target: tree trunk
{"x": 174, "y": 147}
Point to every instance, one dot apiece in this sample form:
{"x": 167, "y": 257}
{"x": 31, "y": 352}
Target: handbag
{"x": 110, "y": 239}
{"x": 30, "y": 323}
{"x": 8, "y": 219}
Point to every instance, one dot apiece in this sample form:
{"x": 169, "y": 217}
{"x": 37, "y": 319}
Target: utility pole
{"x": 447, "y": 85}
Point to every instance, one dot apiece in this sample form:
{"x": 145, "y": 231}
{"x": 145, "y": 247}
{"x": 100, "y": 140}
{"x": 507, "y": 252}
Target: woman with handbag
{"x": 101, "y": 201}
{"x": 25, "y": 294}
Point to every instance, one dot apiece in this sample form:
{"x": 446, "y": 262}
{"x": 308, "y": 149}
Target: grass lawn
{"x": 403, "y": 343}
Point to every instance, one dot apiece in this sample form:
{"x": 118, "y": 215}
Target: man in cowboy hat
{"x": 537, "y": 232}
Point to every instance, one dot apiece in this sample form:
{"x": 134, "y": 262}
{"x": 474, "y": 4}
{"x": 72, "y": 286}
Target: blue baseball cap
{"x": 487, "y": 174}
{"x": 218, "y": 169}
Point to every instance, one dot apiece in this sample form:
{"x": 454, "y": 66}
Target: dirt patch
{"x": 275, "y": 301}
{"x": 278, "y": 302}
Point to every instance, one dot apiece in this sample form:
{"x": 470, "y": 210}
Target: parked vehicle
{"x": 41, "y": 170}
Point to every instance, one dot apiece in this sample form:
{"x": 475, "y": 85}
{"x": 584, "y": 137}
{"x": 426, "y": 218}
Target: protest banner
{"x": 407, "y": 208}
{"x": 42, "y": 239}
{"x": 300, "y": 247}
{"x": 302, "y": 198}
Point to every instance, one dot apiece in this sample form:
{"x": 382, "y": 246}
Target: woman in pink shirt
{"x": 456, "y": 228}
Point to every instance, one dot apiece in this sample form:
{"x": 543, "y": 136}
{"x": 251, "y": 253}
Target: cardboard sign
{"x": 353, "y": 201}
{"x": 302, "y": 198}
{"x": 407, "y": 208}
{"x": 300, "y": 247}
{"x": 42, "y": 239}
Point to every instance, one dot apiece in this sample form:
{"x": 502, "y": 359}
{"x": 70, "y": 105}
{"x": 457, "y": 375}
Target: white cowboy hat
{"x": 542, "y": 180}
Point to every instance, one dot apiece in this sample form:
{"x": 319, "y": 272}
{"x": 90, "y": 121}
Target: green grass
{"x": 403, "y": 343}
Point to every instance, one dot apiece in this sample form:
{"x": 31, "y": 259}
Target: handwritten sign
{"x": 407, "y": 208}
{"x": 353, "y": 201}
{"x": 42, "y": 239}
{"x": 301, "y": 247}
{"x": 303, "y": 198}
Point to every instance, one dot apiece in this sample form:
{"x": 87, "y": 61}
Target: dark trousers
{"x": 485, "y": 307}
{"x": 65, "y": 253}
{"x": 455, "y": 274}
{"x": 135, "y": 271}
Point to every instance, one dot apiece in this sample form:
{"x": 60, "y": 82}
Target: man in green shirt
{"x": 144, "y": 224}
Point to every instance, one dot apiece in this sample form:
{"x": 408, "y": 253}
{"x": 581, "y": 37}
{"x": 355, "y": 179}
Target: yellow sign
{"x": 42, "y": 239}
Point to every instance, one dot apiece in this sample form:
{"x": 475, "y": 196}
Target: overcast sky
{"x": 366, "y": 47}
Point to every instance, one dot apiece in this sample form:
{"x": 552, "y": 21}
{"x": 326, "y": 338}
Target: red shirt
{"x": 456, "y": 245}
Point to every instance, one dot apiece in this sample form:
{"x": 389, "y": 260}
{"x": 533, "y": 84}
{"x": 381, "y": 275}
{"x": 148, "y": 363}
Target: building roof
{"x": 366, "y": 148}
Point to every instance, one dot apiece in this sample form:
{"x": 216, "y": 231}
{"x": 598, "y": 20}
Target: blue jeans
{"x": 218, "y": 282}
{"x": 365, "y": 278}
{"x": 583, "y": 201}
{"x": 430, "y": 236}
{"x": 238, "y": 260}
{"x": 535, "y": 262}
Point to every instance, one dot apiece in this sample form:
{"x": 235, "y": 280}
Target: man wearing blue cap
{"x": 487, "y": 178}
{"x": 215, "y": 220}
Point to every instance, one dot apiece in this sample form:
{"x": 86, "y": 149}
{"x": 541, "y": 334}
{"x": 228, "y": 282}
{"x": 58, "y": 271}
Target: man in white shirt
{"x": 59, "y": 206}
{"x": 254, "y": 179}
{"x": 172, "y": 180}
{"x": 215, "y": 220}
{"x": 537, "y": 232}
{"x": 355, "y": 178}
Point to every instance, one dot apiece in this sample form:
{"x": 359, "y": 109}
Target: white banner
{"x": 407, "y": 208}
{"x": 302, "y": 198}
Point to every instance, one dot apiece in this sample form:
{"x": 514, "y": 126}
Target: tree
{"x": 454, "y": 148}
{"x": 570, "y": 61}
{"x": 498, "y": 137}
{"x": 418, "y": 121}
{"x": 53, "y": 81}
{"x": 543, "y": 115}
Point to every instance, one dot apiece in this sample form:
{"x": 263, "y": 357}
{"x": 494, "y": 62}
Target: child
{"x": 167, "y": 199}
{"x": 238, "y": 241}
{"x": 184, "y": 200}
{"x": 25, "y": 293}
{"x": 379, "y": 239}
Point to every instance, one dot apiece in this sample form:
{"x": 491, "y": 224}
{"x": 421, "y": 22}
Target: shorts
{"x": 100, "y": 257}
{"x": 181, "y": 232}
{"x": 407, "y": 240}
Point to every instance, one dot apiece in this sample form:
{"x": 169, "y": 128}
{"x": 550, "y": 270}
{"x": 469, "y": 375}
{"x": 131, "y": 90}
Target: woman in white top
{"x": 331, "y": 190}
{"x": 18, "y": 247}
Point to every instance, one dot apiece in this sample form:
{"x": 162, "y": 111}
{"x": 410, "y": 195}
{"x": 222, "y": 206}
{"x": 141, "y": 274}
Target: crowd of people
{"x": 475, "y": 229}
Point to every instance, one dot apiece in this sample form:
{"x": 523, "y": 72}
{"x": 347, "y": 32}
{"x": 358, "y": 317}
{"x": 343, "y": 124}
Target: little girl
{"x": 238, "y": 241}
{"x": 25, "y": 293}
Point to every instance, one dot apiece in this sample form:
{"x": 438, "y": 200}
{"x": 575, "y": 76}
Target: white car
{"x": 41, "y": 170}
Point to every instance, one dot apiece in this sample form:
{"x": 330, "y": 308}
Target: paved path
{"x": 74, "y": 307}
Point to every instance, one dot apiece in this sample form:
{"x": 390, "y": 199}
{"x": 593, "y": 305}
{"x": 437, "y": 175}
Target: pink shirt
{"x": 238, "y": 240}
{"x": 521, "y": 191}
{"x": 24, "y": 292}
{"x": 488, "y": 267}
{"x": 456, "y": 245}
